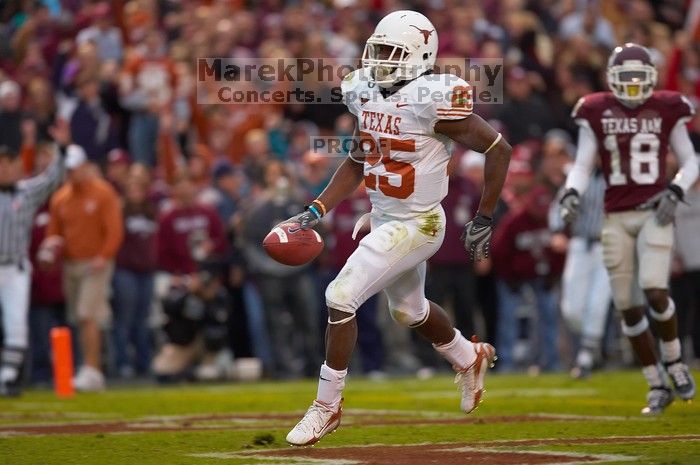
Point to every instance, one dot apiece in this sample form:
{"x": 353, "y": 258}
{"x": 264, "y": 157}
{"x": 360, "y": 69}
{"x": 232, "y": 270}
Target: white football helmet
{"x": 404, "y": 46}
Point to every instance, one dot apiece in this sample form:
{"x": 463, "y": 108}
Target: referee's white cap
{"x": 75, "y": 156}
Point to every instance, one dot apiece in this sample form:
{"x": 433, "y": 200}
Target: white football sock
{"x": 653, "y": 376}
{"x": 330, "y": 385}
{"x": 671, "y": 350}
{"x": 459, "y": 351}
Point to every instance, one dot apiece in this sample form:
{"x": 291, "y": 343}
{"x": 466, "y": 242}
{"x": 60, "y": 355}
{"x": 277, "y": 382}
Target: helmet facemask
{"x": 632, "y": 82}
{"x": 387, "y": 61}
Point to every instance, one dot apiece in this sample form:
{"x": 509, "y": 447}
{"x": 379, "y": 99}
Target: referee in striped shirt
{"x": 19, "y": 201}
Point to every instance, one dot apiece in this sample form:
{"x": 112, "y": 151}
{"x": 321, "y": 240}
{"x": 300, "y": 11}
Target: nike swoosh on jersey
{"x": 399, "y": 105}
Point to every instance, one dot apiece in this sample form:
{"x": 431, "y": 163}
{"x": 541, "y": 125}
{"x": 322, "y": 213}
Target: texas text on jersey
{"x": 633, "y": 142}
{"x": 405, "y": 160}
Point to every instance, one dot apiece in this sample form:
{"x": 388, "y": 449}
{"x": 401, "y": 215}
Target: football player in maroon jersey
{"x": 631, "y": 128}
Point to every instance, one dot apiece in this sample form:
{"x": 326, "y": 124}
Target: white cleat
{"x": 89, "y": 379}
{"x": 318, "y": 421}
{"x": 471, "y": 379}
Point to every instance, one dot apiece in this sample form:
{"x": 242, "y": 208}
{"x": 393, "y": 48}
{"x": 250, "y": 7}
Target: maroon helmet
{"x": 631, "y": 74}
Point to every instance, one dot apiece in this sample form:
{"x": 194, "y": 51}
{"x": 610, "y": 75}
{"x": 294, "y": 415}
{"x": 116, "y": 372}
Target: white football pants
{"x": 14, "y": 299}
{"x": 585, "y": 290}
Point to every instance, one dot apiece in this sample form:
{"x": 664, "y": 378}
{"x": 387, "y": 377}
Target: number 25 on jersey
{"x": 378, "y": 153}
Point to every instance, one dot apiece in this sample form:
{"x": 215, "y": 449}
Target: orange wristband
{"x": 321, "y": 205}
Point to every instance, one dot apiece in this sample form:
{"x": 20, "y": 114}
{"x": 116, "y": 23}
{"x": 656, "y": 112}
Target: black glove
{"x": 665, "y": 203}
{"x": 476, "y": 237}
{"x": 570, "y": 206}
{"x": 308, "y": 218}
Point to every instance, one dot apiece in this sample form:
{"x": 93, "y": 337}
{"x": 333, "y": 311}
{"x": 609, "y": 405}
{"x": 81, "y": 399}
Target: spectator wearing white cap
{"x": 86, "y": 214}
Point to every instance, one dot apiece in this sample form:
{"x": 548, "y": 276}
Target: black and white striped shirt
{"x": 589, "y": 223}
{"x": 18, "y": 207}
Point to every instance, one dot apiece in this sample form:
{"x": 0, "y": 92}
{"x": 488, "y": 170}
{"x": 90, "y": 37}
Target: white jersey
{"x": 405, "y": 163}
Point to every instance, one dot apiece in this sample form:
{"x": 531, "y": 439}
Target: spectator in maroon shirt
{"x": 523, "y": 258}
{"x": 136, "y": 263}
{"x": 189, "y": 233}
{"x": 47, "y": 308}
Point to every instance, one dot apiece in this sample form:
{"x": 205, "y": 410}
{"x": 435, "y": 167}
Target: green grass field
{"x": 523, "y": 420}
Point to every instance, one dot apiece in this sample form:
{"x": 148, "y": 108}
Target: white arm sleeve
{"x": 585, "y": 159}
{"x": 687, "y": 159}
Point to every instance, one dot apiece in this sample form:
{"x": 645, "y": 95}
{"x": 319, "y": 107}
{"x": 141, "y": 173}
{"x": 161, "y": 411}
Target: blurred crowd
{"x": 199, "y": 186}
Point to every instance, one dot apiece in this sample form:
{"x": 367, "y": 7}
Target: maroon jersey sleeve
{"x": 588, "y": 109}
{"x": 675, "y": 106}
{"x": 632, "y": 143}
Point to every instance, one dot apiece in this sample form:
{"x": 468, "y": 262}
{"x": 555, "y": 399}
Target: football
{"x": 290, "y": 245}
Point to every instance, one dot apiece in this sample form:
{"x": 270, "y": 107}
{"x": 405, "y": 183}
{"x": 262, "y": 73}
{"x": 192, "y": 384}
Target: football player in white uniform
{"x": 406, "y": 117}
